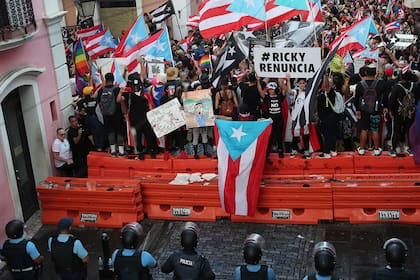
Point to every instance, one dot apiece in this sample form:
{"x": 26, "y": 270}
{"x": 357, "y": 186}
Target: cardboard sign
{"x": 166, "y": 118}
{"x": 198, "y": 108}
{"x": 276, "y": 62}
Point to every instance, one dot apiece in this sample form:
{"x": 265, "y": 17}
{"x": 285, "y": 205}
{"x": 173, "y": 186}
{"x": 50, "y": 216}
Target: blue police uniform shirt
{"x": 78, "y": 248}
{"x": 319, "y": 277}
{"x": 31, "y": 249}
{"x": 146, "y": 258}
{"x": 255, "y": 268}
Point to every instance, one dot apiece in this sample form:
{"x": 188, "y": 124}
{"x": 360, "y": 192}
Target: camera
{"x": 134, "y": 83}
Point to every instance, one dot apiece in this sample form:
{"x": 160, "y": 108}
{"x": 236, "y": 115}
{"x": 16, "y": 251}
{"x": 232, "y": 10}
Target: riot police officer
{"x": 22, "y": 256}
{"x": 395, "y": 254}
{"x": 129, "y": 263}
{"x": 187, "y": 263}
{"x": 325, "y": 258}
{"x": 252, "y": 254}
{"x": 68, "y": 254}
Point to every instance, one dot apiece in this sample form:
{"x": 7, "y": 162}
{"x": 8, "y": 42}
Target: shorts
{"x": 369, "y": 122}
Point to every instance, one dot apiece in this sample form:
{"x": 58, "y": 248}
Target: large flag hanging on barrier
{"x": 241, "y": 152}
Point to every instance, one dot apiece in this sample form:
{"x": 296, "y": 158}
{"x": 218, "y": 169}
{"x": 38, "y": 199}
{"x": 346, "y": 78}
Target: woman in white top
{"x": 62, "y": 156}
{"x": 298, "y": 111}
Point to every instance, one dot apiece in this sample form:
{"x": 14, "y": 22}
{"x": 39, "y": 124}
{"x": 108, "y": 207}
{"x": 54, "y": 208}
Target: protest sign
{"x": 276, "y": 62}
{"x": 166, "y": 118}
{"x": 198, "y": 108}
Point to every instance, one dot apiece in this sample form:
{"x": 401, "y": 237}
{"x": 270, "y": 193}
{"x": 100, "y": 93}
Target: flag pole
{"x": 267, "y": 34}
{"x": 177, "y": 22}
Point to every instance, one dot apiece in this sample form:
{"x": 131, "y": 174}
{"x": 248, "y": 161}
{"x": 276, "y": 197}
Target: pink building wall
{"x": 37, "y": 53}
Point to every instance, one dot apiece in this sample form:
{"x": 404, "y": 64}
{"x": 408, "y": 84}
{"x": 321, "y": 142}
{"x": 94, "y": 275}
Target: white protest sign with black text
{"x": 276, "y": 62}
{"x": 166, "y": 118}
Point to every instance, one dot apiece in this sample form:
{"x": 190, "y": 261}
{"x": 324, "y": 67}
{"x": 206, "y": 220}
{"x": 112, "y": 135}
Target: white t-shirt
{"x": 63, "y": 150}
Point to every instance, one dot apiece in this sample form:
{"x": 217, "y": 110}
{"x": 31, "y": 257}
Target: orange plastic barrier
{"x": 295, "y": 166}
{"x": 390, "y": 177}
{"x": 377, "y": 202}
{"x": 91, "y": 202}
{"x": 103, "y": 165}
{"x": 194, "y": 202}
{"x": 292, "y": 204}
{"x": 203, "y": 165}
{"x": 384, "y": 164}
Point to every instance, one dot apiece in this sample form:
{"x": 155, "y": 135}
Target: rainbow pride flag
{"x": 80, "y": 60}
{"x": 204, "y": 62}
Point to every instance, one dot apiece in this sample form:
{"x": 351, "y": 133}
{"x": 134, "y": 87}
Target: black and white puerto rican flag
{"x": 162, "y": 12}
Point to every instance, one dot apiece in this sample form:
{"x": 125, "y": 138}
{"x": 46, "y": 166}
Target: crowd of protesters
{"x": 242, "y": 95}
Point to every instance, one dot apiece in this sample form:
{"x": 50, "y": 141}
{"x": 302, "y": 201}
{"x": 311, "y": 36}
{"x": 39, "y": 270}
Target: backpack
{"x": 226, "y": 105}
{"x": 369, "y": 102}
{"x": 407, "y": 104}
{"x": 107, "y": 102}
{"x": 339, "y": 105}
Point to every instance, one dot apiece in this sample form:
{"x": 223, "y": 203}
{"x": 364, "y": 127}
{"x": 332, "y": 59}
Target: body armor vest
{"x": 259, "y": 275}
{"x": 187, "y": 267}
{"x": 16, "y": 255}
{"x": 130, "y": 267}
{"x": 64, "y": 259}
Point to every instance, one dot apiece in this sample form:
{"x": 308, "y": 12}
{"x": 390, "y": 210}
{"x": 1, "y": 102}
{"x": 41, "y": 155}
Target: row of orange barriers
{"x": 283, "y": 199}
{"x": 102, "y": 165}
{"x": 91, "y": 202}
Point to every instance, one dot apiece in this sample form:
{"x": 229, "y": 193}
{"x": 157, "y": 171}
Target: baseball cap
{"x": 64, "y": 223}
{"x": 272, "y": 85}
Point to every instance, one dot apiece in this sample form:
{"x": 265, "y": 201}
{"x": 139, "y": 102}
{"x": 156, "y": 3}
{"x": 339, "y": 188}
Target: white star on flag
{"x": 159, "y": 46}
{"x": 231, "y": 51}
{"x": 237, "y": 133}
{"x": 250, "y": 3}
{"x": 135, "y": 37}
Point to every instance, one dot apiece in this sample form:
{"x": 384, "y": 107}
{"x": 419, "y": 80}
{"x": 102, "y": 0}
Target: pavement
{"x": 288, "y": 248}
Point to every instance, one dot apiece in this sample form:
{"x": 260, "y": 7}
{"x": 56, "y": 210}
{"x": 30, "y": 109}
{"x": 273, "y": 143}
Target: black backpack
{"x": 107, "y": 101}
{"x": 407, "y": 106}
{"x": 369, "y": 103}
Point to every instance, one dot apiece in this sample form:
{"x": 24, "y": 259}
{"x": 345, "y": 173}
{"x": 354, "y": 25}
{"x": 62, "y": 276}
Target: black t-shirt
{"x": 251, "y": 97}
{"x": 138, "y": 106}
{"x": 84, "y": 145}
{"x": 89, "y": 104}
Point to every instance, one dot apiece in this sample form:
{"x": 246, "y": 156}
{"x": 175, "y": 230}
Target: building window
{"x": 117, "y": 3}
{"x": 16, "y": 19}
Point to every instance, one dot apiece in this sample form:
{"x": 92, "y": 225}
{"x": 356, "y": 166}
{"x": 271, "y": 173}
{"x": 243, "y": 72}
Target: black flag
{"x": 230, "y": 58}
{"x": 162, "y": 12}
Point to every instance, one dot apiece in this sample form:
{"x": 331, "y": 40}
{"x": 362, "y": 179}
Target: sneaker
{"x": 392, "y": 153}
{"x": 281, "y": 155}
{"x": 141, "y": 156}
{"x": 333, "y": 153}
{"x": 306, "y": 155}
{"x": 293, "y": 154}
{"x": 361, "y": 151}
{"x": 166, "y": 155}
{"x": 152, "y": 155}
{"x": 122, "y": 155}
{"x": 183, "y": 155}
{"x": 408, "y": 151}
{"x": 322, "y": 155}
{"x": 377, "y": 152}
{"x": 113, "y": 154}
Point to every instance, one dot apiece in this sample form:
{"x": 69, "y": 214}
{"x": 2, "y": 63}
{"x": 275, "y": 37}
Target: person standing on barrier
{"x": 187, "y": 263}
{"x": 22, "y": 256}
{"x": 395, "y": 254}
{"x": 130, "y": 263}
{"x": 252, "y": 254}
{"x": 68, "y": 254}
{"x": 324, "y": 258}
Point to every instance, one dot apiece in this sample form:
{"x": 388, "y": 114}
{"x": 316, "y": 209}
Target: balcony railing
{"x": 17, "y": 20}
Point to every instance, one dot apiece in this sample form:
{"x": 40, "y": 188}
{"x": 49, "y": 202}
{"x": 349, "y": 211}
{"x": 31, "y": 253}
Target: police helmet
{"x": 189, "y": 235}
{"x": 325, "y": 256}
{"x": 395, "y": 252}
{"x": 130, "y": 234}
{"x": 14, "y": 229}
{"x": 253, "y": 248}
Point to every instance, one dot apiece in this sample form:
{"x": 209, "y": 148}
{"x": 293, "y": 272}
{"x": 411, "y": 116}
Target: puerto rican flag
{"x": 99, "y": 44}
{"x": 193, "y": 21}
{"x": 86, "y": 32}
{"x": 241, "y": 152}
{"x": 392, "y": 26}
{"x": 136, "y": 33}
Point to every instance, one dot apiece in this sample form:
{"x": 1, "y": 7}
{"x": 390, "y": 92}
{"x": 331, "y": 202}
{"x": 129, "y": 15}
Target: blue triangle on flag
{"x": 238, "y": 135}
